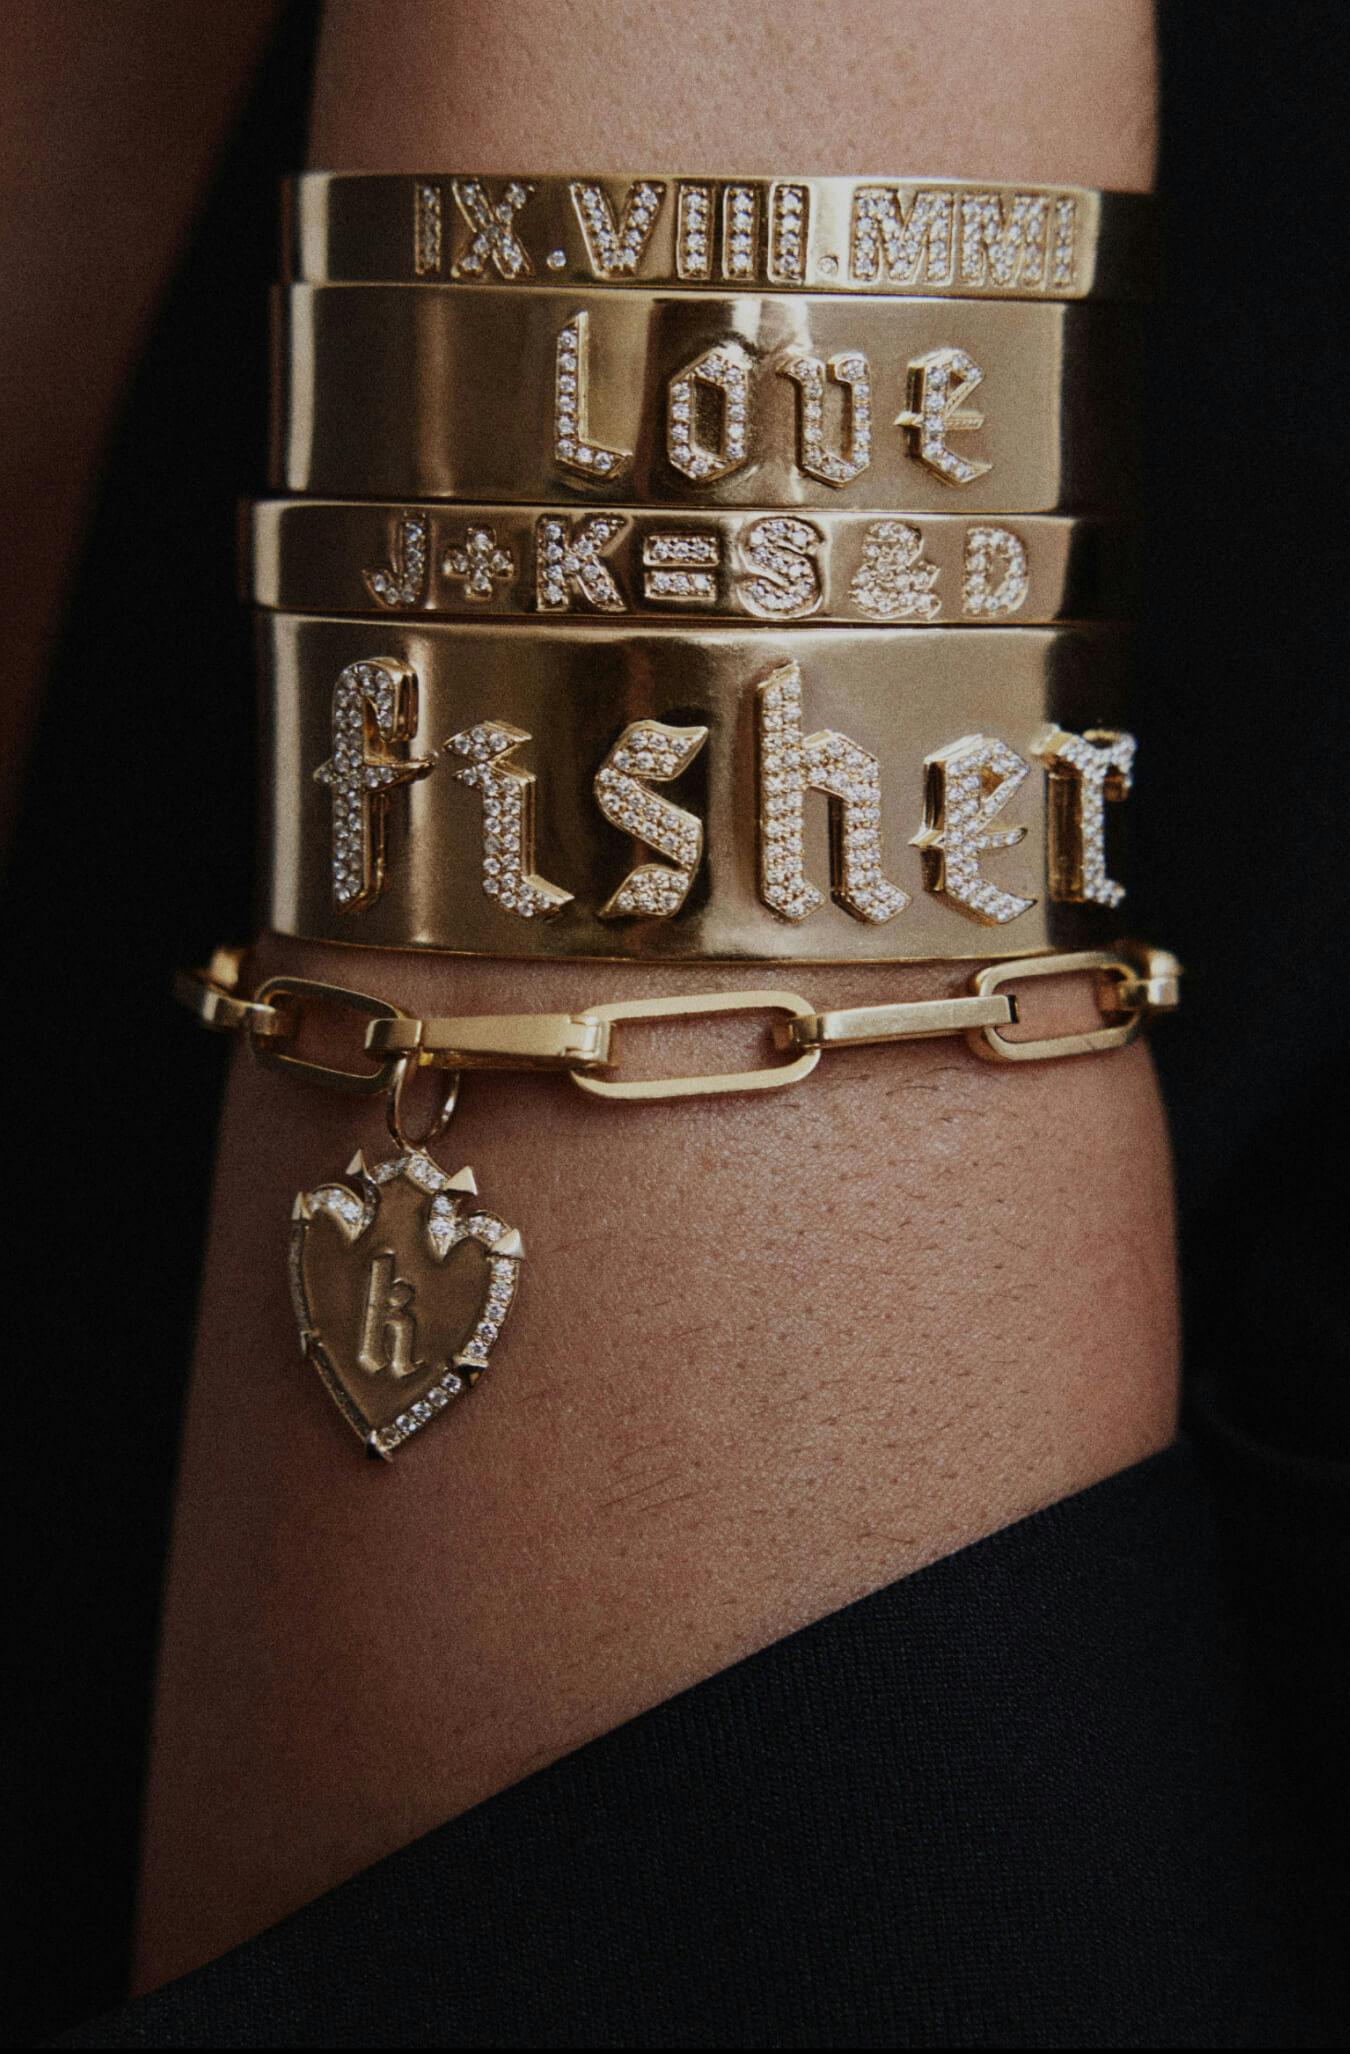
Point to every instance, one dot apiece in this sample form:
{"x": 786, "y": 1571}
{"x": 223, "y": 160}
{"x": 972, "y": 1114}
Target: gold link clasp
{"x": 772, "y": 1078}
{"x": 298, "y": 995}
{"x": 211, "y": 995}
{"x": 911, "y": 1020}
{"x": 497, "y": 1041}
{"x": 1130, "y": 986}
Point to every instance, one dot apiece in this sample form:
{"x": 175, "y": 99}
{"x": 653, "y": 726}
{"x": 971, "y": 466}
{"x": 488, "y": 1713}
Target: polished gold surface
{"x": 554, "y": 706}
{"x": 866, "y": 234}
{"x": 385, "y": 558}
{"x": 445, "y": 394}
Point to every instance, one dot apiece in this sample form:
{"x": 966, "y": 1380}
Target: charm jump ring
{"x": 393, "y": 1107}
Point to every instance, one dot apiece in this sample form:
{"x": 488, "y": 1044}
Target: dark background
{"x": 118, "y": 875}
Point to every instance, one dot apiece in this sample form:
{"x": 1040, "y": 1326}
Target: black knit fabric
{"x": 1032, "y": 1796}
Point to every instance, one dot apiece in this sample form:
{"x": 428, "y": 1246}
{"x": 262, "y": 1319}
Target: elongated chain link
{"x": 1133, "y": 982}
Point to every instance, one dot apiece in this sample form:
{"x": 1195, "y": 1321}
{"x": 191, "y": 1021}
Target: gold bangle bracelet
{"x": 394, "y": 1329}
{"x": 510, "y": 791}
{"x": 864, "y": 235}
{"x": 561, "y": 564}
{"x": 699, "y": 400}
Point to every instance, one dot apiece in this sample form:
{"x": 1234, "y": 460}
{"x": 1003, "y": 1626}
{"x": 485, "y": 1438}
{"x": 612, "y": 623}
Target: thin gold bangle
{"x": 789, "y": 234}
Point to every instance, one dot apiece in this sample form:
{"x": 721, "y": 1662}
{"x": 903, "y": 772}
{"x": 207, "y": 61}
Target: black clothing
{"x": 1035, "y": 1795}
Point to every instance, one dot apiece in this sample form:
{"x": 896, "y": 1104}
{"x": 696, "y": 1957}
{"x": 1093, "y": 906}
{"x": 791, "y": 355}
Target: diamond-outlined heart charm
{"x": 395, "y": 1328}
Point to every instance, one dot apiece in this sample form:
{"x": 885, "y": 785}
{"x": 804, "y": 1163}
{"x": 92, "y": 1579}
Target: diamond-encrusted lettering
{"x": 567, "y": 561}
{"x": 789, "y": 225}
{"x": 1064, "y": 252}
{"x": 650, "y": 752}
{"x": 479, "y": 562}
{"x": 915, "y": 246}
{"x": 780, "y": 554}
{"x": 940, "y": 382}
{"x": 404, "y": 580}
{"x": 1003, "y": 240}
{"x": 495, "y": 241}
{"x": 574, "y": 449}
{"x": 374, "y": 714}
{"x": 616, "y": 248}
{"x": 895, "y": 580}
{"x": 740, "y": 231}
{"x": 426, "y": 230}
{"x": 994, "y": 576}
{"x": 1085, "y": 772}
{"x": 790, "y": 766}
{"x": 966, "y": 785}
{"x": 849, "y": 370}
{"x": 681, "y": 566}
{"x": 508, "y": 819}
{"x": 725, "y": 372}
{"x": 694, "y": 232}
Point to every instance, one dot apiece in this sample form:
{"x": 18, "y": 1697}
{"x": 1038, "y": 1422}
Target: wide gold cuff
{"x": 684, "y": 399}
{"x": 702, "y": 794}
{"x": 865, "y": 235}
{"x": 565, "y": 564}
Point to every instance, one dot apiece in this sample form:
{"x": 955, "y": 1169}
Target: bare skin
{"x": 774, "y": 1353}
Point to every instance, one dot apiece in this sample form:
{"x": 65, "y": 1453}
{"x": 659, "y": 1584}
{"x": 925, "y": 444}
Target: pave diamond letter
{"x": 693, "y": 231}
{"x": 573, "y": 447}
{"x": 1085, "y": 771}
{"x": 374, "y": 714}
{"x": 809, "y": 374}
{"x": 650, "y": 752}
{"x": 780, "y": 552}
{"x": 508, "y": 819}
{"x": 616, "y": 248}
{"x": 403, "y": 581}
{"x": 916, "y": 245}
{"x": 567, "y": 561}
{"x": 790, "y": 766}
{"x": 895, "y": 580}
{"x": 994, "y": 576}
{"x": 681, "y": 565}
{"x": 427, "y": 224}
{"x": 495, "y": 241}
{"x": 789, "y": 224}
{"x": 966, "y": 785}
{"x": 940, "y": 382}
{"x": 723, "y": 373}
{"x": 740, "y": 232}
{"x": 1002, "y": 242}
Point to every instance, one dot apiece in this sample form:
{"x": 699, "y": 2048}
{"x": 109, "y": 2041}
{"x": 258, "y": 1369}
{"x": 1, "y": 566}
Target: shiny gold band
{"x": 865, "y": 235}
{"x": 698, "y": 400}
{"x": 364, "y": 557}
{"x": 510, "y": 791}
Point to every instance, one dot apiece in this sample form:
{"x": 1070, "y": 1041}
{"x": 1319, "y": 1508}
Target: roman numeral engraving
{"x": 940, "y": 382}
{"x": 966, "y": 786}
{"x": 508, "y": 819}
{"x": 573, "y": 448}
{"x": 374, "y": 714}
{"x": 650, "y": 752}
{"x": 403, "y": 581}
{"x": 920, "y": 244}
{"x": 1003, "y": 243}
{"x": 616, "y": 248}
{"x": 791, "y": 765}
{"x": 809, "y": 375}
{"x": 495, "y": 241}
{"x": 1085, "y": 772}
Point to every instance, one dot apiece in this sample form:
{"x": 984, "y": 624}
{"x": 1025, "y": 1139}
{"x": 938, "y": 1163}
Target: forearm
{"x": 774, "y": 1352}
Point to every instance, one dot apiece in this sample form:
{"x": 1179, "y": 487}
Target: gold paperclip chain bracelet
{"x": 384, "y": 1315}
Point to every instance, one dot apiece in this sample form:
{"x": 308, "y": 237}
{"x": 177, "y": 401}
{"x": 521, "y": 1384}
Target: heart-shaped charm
{"x": 401, "y": 1283}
